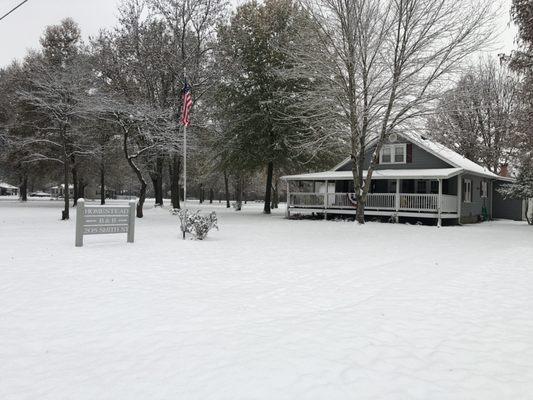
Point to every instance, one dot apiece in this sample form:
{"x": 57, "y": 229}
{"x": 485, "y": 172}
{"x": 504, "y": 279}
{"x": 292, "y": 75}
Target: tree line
{"x": 279, "y": 86}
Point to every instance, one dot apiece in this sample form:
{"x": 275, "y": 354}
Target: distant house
{"x": 8, "y": 190}
{"x": 415, "y": 177}
{"x": 59, "y": 191}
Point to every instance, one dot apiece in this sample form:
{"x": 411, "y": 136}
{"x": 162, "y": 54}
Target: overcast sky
{"x": 22, "y": 29}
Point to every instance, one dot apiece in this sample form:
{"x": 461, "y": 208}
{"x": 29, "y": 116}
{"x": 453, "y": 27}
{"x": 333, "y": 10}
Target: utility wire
{"x": 13, "y": 9}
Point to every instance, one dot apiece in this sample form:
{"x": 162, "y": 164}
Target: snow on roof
{"x": 448, "y": 154}
{"x": 62, "y": 186}
{"x": 438, "y": 173}
{"x": 4, "y": 185}
{"x": 444, "y": 153}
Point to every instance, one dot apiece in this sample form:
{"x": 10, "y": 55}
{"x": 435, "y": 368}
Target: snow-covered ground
{"x": 264, "y": 309}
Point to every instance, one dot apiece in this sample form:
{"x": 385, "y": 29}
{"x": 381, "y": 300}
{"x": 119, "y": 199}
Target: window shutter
{"x": 480, "y": 189}
{"x": 409, "y": 156}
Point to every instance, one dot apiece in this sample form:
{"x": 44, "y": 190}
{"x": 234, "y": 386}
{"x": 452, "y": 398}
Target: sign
{"x": 97, "y": 220}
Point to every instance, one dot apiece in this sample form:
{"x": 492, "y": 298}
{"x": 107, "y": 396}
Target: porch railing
{"x": 448, "y": 204}
{"x": 381, "y": 201}
{"x": 376, "y": 201}
{"x": 310, "y": 200}
{"x": 419, "y": 202}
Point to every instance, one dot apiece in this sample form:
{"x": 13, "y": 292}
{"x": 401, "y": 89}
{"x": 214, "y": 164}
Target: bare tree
{"x": 378, "y": 66}
{"x": 478, "y": 117}
{"x": 52, "y": 99}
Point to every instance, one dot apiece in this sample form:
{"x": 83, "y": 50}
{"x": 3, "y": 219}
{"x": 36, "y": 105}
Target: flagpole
{"x": 186, "y": 106}
{"x": 184, "y": 166}
{"x": 184, "y": 172}
{"x": 184, "y": 155}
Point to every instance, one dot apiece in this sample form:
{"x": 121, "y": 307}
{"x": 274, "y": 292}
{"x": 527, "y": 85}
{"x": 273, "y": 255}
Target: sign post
{"x": 95, "y": 220}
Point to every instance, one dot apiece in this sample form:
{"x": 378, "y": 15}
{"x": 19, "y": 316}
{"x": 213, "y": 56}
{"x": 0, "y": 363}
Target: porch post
{"x": 490, "y": 190}
{"x": 439, "y": 204}
{"x": 459, "y": 197}
{"x": 397, "y": 199}
{"x": 288, "y": 211}
{"x": 326, "y": 201}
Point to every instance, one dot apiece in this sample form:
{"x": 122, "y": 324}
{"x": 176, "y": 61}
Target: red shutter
{"x": 409, "y": 156}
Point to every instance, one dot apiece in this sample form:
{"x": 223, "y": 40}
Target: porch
{"x": 434, "y": 195}
{"x": 378, "y": 204}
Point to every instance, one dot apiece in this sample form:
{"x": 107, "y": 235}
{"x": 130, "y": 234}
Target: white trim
{"x": 341, "y": 164}
{"x": 484, "y": 189}
{"x": 403, "y": 173}
{"x": 439, "y": 205}
{"x": 393, "y": 148}
{"x": 459, "y": 196}
{"x": 468, "y": 190}
{"x": 296, "y": 210}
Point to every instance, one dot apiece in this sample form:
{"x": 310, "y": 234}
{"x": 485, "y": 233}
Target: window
{"x": 386, "y": 155}
{"x": 468, "y": 191}
{"x": 421, "y": 187}
{"x": 484, "y": 189}
{"x": 399, "y": 154}
{"x": 434, "y": 187}
{"x": 393, "y": 154}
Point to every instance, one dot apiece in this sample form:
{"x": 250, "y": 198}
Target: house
{"x": 59, "y": 191}
{"x": 415, "y": 177}
{"x": 8, "y": 190}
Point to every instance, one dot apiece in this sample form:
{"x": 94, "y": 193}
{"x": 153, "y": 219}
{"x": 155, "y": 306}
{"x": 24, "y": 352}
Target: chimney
{"x": 504, "y": 170}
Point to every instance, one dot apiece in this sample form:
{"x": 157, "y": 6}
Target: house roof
{"x": 448, "y": 155}
{"x": 4, "y": 185}
{"x": 62, "y": 186}
{"x": 438, "y": 150}
{"x": 438, "y": 173}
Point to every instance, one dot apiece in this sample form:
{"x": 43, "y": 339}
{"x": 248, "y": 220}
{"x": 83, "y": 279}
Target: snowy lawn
{"x": 264, "y": 309}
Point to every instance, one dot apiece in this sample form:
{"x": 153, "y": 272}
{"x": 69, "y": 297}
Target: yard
{"x": 266, "y": 308}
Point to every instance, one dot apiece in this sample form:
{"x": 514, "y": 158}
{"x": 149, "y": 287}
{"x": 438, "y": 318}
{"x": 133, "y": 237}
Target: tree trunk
{"x": 275, "y": 196}
{"x": 360, "y": 195}
{"x": 211, "y": 195}
{"x": 153, "y": 178}
{"x": 158, "y": 187}
{"x": 137, "y": 171}
{"x": 81, "y": 188}
{"x": 102, "y": 184}
{"x": 142, "y": 197}
{"x": 238, "y": 194}
{"x": 174, "y": 171}
{"x": 156, "y": 176}
{"x": 268, "y": 190}
{"x": 75, "y": 183}
{"x": 226, "y": 186}
{"x": 66, "y": 197}
{"x": 24, "y": 188}
{"x": 142, "y": 193}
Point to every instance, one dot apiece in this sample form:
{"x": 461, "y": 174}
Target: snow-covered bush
{"x": 196, "y": 224}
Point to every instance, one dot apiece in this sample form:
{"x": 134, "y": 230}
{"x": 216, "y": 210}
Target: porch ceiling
{"x": 441, "y": 173}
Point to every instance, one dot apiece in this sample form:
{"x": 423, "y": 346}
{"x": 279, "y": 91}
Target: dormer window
{"x": 393, "y": 154}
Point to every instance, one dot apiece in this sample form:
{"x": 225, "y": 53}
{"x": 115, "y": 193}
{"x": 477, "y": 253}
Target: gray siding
{"x": 472, "y": 212}
{"x": 421, "y": 160}
{"x": 506, "y": 208}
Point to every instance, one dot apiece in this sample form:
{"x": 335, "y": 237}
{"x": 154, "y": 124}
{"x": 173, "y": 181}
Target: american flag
{"x": 187, "y": 104}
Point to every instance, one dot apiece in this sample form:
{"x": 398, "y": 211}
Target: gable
{"x": 419, "y": 159}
